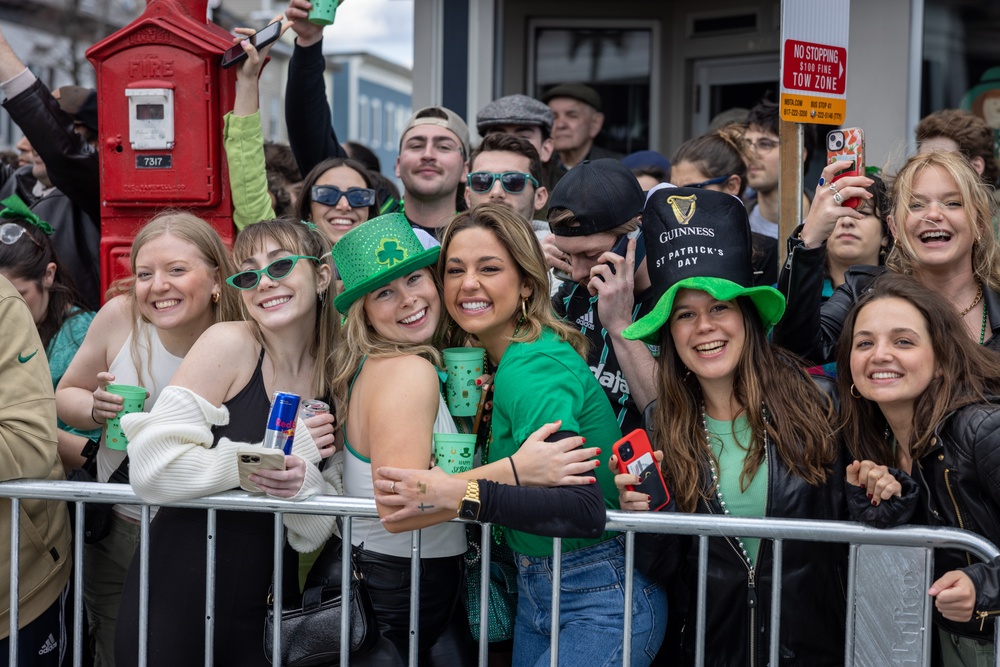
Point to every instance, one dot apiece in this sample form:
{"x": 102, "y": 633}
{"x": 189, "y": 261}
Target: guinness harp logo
{"x": 684, "y": 207}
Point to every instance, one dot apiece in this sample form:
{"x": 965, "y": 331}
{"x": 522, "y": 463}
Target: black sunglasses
{"x": 330, "y": 195}
{"x": 276, "y": 270}
{"x": 512, "y": 181}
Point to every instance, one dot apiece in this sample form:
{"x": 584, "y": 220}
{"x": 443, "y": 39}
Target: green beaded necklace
{"x": 982, "y": 331}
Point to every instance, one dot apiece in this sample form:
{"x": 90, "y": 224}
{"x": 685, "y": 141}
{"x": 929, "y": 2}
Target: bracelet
{"x": 93, "y": 415}
{"x": 516, "y": 478}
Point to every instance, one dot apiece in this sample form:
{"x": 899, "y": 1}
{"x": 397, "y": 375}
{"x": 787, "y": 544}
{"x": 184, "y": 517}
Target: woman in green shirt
{"x": 496, "y": 291}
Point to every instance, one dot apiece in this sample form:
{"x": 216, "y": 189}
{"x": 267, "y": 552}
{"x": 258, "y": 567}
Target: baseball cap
{"x": 451, "y": 121}
{"x": 514, "y": 110}
{"x": 601, "y": 194}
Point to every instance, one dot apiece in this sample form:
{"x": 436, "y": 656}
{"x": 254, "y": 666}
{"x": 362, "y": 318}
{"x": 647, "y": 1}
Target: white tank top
{"x": 444, "y": 539}
{"x": 158, "y": 366}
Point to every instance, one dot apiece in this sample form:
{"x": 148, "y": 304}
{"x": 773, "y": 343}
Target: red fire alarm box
{"x": 162, "y": 98}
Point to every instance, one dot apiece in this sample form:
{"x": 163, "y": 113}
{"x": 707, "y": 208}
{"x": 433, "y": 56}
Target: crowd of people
{"x": 859, "y": 380}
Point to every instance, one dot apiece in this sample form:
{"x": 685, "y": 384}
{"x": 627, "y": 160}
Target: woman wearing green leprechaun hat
{"x": 495, "y": 285}
{"x": 743, "y": 431}
{"x": 387, "y": 385}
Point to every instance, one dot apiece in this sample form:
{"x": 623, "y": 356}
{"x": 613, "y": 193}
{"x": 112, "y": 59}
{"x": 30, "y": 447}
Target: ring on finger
{"x": 833, "y": 187}
{"x": 837, "y": 197}
{"x": 822, "y": 181}
{"x": 392, "y": 487}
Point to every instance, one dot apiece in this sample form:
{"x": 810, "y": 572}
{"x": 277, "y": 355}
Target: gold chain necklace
{"x": 979, "y": 295}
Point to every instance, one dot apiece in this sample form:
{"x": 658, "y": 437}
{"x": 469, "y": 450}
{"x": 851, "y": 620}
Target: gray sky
{"x": 382, "y": 27}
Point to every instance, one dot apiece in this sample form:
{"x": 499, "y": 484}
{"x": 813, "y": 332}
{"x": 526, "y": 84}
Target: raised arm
{"x": 71, "y": 163}
{"x": 243, "y": 139}
{"x": 307, "y": 107}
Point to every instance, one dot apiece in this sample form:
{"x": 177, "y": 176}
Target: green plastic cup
{"x": 453, "y": 452}
{"x": 323, "y": 12}
{"x": 135, "y": 401}
{"x": 463, "y": 365}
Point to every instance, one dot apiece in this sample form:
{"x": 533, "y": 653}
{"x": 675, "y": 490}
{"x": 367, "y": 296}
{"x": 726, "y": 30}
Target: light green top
{"x": 730, "y": 451}
{"x": 243, "y": 140}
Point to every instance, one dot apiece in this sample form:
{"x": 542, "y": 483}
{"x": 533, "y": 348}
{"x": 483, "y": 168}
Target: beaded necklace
{"x": 715, "y": 481}
{"x": 982, "y": 330}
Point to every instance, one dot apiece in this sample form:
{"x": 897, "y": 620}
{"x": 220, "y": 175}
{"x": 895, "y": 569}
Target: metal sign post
{"x": 814, "y": 40}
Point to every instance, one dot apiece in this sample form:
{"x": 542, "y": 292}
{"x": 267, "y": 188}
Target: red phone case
{"x": 643, "y": 464}
{"x": 853, "y": 149}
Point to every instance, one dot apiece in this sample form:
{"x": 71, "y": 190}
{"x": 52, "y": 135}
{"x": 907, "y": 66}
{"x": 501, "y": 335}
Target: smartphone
{"x": 252, "y": 461}
{"x": 635, "y": 457}
{"x": 847, "y": 144}
{"x": 235, "y": 54}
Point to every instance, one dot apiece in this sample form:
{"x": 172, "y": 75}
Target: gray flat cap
{"x": 514, "y": 110}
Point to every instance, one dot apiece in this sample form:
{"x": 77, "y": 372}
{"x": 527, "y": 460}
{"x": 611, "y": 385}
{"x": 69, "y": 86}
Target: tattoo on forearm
{"x": 424, "y": 508}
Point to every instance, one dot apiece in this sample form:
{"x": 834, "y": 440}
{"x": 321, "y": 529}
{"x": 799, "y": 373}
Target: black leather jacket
{"x": 959, "y": 481}
{"x": 810, "y": 326}
{"x": 813, "y": 597}
{"x": 74, "y": 207}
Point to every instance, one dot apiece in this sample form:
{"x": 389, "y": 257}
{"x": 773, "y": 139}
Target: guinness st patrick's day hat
{"x": 699, "y": 239}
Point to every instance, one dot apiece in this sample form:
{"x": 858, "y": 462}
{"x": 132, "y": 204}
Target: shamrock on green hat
{"x": 375, "y": 253}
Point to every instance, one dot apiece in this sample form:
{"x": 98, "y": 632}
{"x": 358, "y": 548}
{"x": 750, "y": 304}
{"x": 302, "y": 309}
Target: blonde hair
{"x": 298, "y": 238}
{"x": 978, "y": 203}
{"x": 359, "y": 340}
{"x": 188, "y": 227}
{"x": 520, "y": 241}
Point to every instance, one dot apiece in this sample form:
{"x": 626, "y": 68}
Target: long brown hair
{"x": 772, "y": 390}
{"x": 29, "y": 258}
{"x": 967, "y": 373}
{"x": 517, "y": 236}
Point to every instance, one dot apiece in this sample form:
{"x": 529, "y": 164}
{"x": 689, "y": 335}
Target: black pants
{"x": 244, "y": 565}
{"x": 444, "y": 634}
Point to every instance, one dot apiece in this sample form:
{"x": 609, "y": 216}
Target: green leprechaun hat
{"x": 375, "y": 253}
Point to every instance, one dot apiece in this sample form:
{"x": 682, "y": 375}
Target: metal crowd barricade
{"x": 865, "y": 545}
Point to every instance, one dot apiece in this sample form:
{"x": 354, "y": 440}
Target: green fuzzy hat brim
{"x": 769, "y": 302}
{"x": 344, "y": 300}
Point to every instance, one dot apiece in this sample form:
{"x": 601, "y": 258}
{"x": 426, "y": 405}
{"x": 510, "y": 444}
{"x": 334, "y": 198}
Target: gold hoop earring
{"x": 215, "y": 297}
{"x": 854, "y": 392}
{"x": 524, "y": 307}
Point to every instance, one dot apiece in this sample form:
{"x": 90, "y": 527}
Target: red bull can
{"x": 280, "y": 430}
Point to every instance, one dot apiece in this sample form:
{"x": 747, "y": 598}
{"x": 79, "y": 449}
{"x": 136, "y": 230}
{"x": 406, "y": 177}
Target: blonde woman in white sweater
{"x": 216, "y": 405}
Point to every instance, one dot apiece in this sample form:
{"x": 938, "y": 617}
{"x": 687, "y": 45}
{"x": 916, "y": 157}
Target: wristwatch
{"x": 468, "y": 509}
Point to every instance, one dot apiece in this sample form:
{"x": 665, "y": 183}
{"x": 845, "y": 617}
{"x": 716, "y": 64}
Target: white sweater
{"x": 172, "y": 459}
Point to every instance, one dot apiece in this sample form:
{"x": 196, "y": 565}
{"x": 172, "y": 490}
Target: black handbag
{"x": 310, "y": 623}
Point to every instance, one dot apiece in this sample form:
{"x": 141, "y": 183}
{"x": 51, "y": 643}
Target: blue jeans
{"x": 591, "y": 612}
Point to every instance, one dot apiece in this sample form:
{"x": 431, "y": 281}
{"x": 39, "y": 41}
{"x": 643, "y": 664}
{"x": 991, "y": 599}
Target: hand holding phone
{"x": 250, "y": 461}
{"x": 235, "y": 54}
{"x": 847, "y": 145}
{"x": 635, "y": 457}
